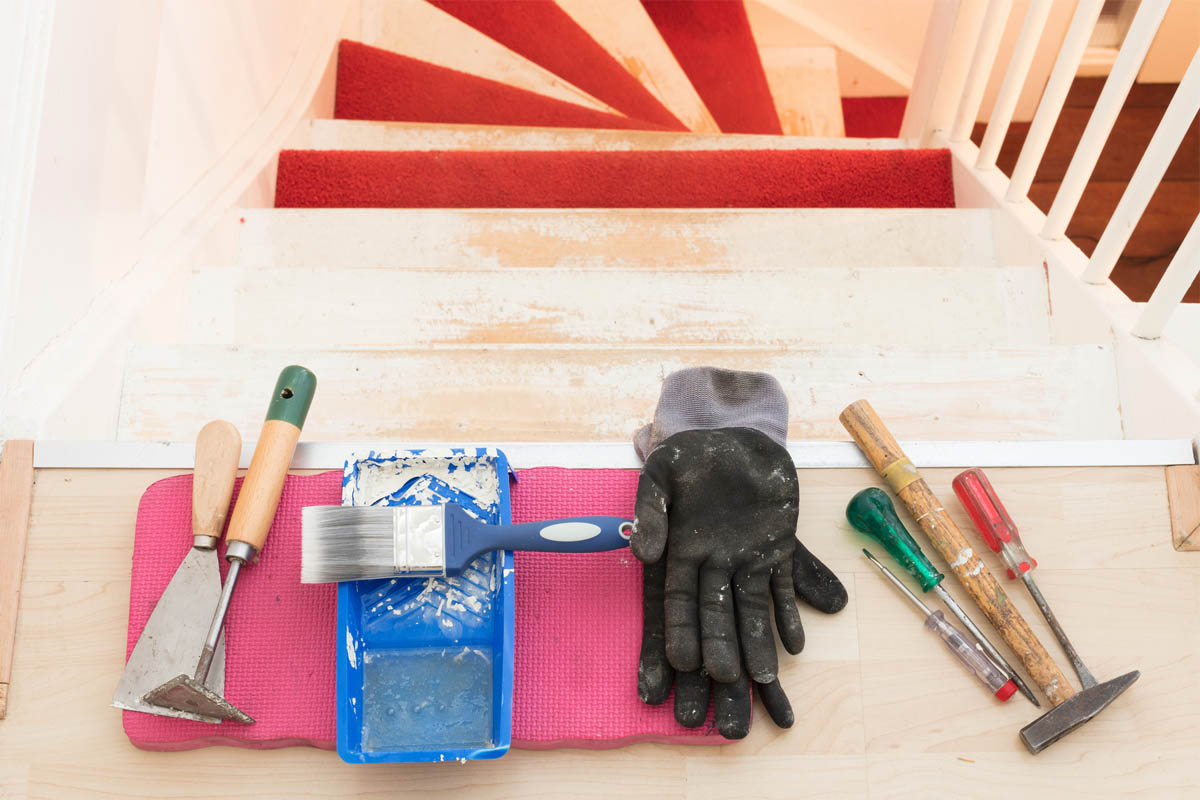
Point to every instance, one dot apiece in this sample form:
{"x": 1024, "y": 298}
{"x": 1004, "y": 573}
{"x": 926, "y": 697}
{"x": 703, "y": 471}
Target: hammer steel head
{"x": 1061, "y": 720}
{"x": 187, "y": 694}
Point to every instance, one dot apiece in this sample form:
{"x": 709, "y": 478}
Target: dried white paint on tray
{"x": 467, "y": 477}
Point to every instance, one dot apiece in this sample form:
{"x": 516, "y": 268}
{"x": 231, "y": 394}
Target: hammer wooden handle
{"x": 902, "y": 477}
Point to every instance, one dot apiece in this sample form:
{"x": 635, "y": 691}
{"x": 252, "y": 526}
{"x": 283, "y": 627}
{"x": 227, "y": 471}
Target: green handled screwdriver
{"x": 871, "y": 512}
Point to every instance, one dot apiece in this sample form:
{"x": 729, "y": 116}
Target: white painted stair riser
{"x": 399, "y": 308}
{"x": 650, "y": 239}
{"x": 538, "y": 393}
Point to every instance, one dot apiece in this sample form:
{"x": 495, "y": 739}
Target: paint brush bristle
{"x": 347, "y": 543}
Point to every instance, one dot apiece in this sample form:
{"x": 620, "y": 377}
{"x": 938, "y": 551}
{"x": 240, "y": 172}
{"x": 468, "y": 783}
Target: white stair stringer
{"x": 647, "y": 239}
{"x": 598, "y": 393}
{"x": 619, "y": 307}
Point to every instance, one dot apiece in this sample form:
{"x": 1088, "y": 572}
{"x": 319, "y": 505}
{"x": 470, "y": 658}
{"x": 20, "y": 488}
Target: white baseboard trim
{"x": 620, "y": 455}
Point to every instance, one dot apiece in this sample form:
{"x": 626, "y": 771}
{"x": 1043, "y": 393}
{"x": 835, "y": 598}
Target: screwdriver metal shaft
{"x": 872, "y": 512}
{"x": 963, "y": 649}
{"x": 983, "y": 644}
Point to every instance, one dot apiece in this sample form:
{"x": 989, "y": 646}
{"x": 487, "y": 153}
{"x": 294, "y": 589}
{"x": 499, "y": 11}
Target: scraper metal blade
{"x": 173, "y": 635}
{"x": 178, "y": 626}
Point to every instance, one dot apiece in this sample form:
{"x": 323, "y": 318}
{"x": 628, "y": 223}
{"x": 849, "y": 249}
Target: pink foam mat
{"x": 578, "y": 626}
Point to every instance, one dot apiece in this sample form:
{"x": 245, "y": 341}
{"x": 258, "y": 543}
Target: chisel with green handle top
{"x": 871, "y": 512}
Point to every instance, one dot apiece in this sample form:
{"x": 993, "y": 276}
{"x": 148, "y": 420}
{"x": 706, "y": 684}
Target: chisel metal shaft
{"x": 1001, "y": 535}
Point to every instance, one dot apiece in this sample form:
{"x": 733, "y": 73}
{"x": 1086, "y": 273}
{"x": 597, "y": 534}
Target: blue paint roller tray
{"x": 425, "y": 665}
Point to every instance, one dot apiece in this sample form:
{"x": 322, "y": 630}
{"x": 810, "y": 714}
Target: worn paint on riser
{"x": 732, "y": 239}
{"x": 534, "y": 393}
{"x": 813, "y": 306}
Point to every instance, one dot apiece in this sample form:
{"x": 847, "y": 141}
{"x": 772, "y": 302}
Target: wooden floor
{"x": 1172, "y": 208}
{"x": 882, "y": 710}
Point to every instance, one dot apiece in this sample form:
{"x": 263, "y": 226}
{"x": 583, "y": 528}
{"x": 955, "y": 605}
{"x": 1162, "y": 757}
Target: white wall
{"x": 157, "y": 116}
{"x": 1172, "y": 48}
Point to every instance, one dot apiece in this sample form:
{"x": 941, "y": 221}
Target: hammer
{"x": 1071, "y": 708}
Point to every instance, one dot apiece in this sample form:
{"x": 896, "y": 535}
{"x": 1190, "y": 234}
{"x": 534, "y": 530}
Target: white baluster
{"x": 1182, "y": 270}
{"x": 1014, "y": 81}
{"x": 1149, "y": 173}
{"x": 1057, "y": 87}
{"x": 1124, "y": 71}
{"x": 981, "y": 69}
{"x": 917, "y": 123}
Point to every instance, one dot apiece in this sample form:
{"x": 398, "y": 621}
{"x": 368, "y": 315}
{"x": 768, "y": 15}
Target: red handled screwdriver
{"x": 1001, "y": 535}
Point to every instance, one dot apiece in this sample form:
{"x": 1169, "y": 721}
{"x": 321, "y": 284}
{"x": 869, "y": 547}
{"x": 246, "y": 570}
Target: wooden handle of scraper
{"x": 256, "y": 503}
{"x": 218, "y": 450}
{"x": 898, "y": 472}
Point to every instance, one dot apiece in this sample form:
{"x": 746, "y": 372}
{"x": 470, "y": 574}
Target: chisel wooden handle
{"x": 218, "y": 450}
{"x": 256, "y": 503}
{"x": 899, "y": 473}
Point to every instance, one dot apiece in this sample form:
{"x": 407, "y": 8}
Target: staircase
{"x": 526, "y": 214}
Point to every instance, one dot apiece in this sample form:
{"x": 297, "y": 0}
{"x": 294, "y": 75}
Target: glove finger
{"x": 718, "y": 629}
{"x": 787, "y": 616}
{"x": 654, "y": 671}
{"x": 779, "y": 708}
{"x": 682, "y": 620}
{"x": 754, "y": 625}
{"x": 649, "y": 536}
{"x": 731, "y": 708}
{"x": 815, "y": 583}
{"x": 691, "y": 698}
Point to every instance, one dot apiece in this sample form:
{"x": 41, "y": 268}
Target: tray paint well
{"x": 425, "y": 665}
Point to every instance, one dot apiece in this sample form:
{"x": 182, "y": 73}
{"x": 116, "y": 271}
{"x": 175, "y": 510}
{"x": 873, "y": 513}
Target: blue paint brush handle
{"x": 467, "y": 537}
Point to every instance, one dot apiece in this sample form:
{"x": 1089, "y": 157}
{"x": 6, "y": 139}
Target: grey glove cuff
{"x": 703, "y": 398}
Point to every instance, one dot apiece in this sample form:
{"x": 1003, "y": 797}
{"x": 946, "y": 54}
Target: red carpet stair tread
{"x": 712, "y": 41}
{"x": 543, "y": 33}
{"x": 633, "y": 179}
{"x": 375, "y": 84}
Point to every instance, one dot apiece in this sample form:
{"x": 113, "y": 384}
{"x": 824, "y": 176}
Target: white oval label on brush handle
{"x": 570, "y": 531}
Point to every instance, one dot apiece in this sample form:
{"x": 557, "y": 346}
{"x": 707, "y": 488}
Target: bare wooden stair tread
{"x": 348, "y": 134}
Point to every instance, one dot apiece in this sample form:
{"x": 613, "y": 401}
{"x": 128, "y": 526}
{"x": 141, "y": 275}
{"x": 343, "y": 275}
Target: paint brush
{"x": 351, "y": 543}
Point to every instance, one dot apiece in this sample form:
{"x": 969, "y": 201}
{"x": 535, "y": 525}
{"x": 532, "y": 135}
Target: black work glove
{"x": 656, "y": 676}
{"x": 715, "y": 525}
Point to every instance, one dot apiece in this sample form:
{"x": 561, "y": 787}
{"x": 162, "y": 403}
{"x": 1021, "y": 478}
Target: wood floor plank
{"x": 1168, "y": 216}
{"x": 619, "y": 307}
{"x": 648, "y": 239}
{"x": 16, "y": 492}
{"x": 880, "y": 706}
{"x": 1121, "y": 154}
{"x": 533, "y": 393}
{"x": 1183, "y": 491}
